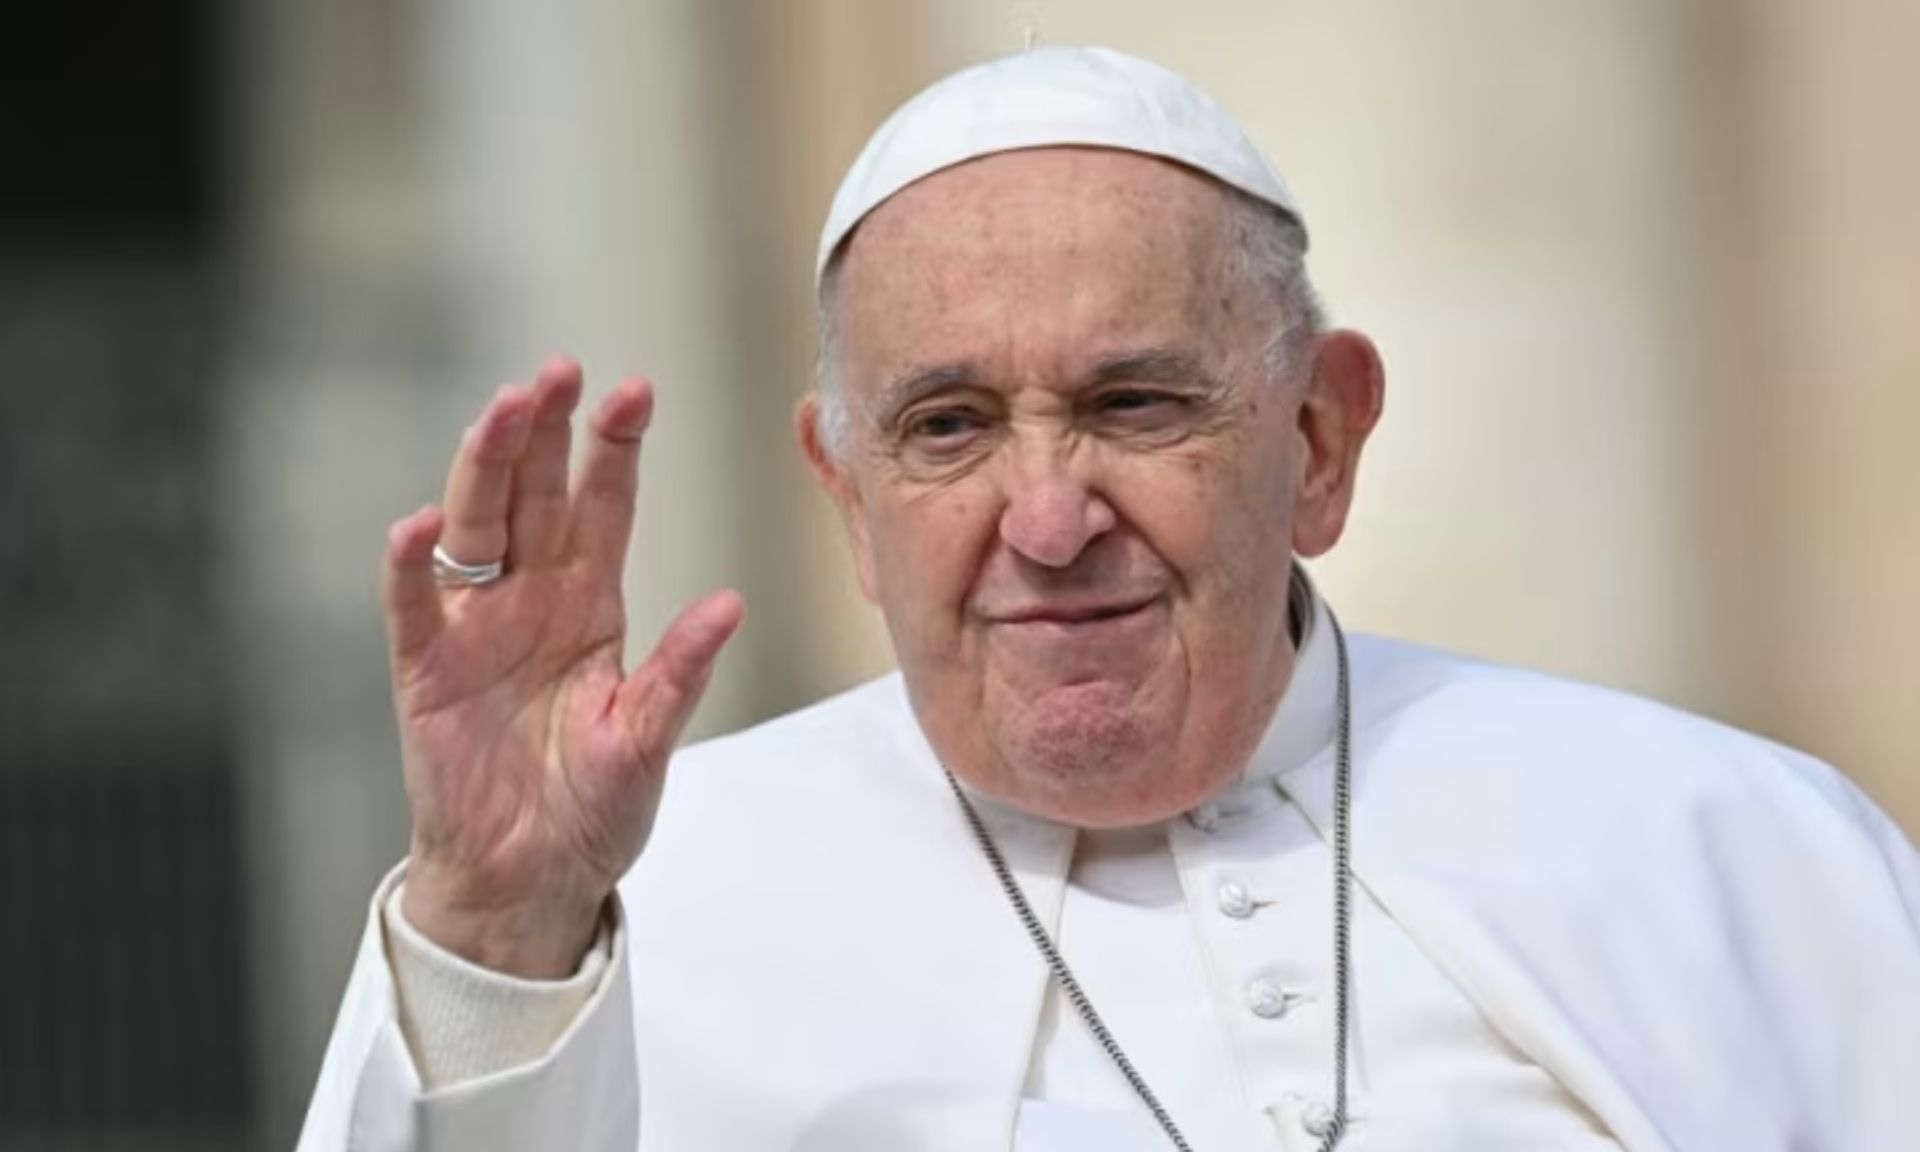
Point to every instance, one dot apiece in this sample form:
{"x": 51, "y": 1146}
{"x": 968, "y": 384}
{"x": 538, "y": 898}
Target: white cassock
{"x": 1583, "y": 922}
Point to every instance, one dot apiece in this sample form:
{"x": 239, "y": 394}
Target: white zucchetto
{"x": 1050, "y": 97}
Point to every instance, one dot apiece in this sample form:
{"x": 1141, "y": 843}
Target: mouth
{"x": 1068, "y": 614}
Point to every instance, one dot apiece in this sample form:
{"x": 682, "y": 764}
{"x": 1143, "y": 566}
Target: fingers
{"x": 658, "y": 698}
{"x": 507, "y": 495}
{"x": 604, "y": 492}
{"x": 537, "y": 521}
{"x": 407, "y": 590}
{"x": 481, "y": 480}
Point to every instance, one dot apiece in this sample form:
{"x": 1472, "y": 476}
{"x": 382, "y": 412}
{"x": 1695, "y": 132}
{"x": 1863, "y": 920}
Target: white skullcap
{"x": 1049, "y": 97}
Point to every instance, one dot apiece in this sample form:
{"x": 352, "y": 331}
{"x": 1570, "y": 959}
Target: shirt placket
{"x": 1257, "y": 886}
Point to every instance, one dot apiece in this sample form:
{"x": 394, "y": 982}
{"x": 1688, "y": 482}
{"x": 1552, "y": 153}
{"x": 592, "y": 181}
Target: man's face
{"x": 1069, "y": 479}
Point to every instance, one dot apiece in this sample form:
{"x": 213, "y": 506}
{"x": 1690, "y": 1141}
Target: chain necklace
{"x": 1342, "y": 927}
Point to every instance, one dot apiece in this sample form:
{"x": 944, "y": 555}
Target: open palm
{"x": 534, "y": 763}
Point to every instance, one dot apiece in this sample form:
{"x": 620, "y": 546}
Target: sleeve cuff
{"x": 463, "y": 1022}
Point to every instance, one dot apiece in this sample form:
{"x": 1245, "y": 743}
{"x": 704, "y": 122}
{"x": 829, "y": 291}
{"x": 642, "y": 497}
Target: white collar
{"x": 1308, "y": 714}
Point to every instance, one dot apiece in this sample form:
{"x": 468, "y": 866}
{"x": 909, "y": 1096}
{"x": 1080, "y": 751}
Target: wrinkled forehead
{"x": 1114, "y": 238}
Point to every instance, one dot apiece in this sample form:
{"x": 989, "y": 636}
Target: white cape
{"x": 1710, "y": 940}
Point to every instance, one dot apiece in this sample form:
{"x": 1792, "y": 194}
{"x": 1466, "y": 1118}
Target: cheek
{"x": 1183, "y": 509}
{"x": 1221, "y": 529}
{"x": 926, "y": 552}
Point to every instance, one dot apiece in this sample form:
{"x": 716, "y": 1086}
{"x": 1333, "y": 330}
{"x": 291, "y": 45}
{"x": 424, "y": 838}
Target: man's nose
{"x": 1052, "y": 514}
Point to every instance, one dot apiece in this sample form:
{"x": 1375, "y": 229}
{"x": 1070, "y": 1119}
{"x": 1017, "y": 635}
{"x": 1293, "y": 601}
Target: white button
{"x": 1268, "y": 1000}
{"x": 1235, "y": 900}
{"x": 1317, "y": 1119}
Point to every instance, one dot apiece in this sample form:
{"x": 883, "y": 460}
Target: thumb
{"x": 655, "y": 702}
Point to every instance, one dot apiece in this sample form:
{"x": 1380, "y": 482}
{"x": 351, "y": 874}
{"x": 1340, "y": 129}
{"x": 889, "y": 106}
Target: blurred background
{"x": 1643, "y": 273}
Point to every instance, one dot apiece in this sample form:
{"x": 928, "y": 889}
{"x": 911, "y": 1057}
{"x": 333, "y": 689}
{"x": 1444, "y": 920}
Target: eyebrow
{"x": 1168, "y": 364}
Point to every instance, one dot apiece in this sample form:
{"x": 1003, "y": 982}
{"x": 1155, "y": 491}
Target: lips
{"x": 1071, "y": 613}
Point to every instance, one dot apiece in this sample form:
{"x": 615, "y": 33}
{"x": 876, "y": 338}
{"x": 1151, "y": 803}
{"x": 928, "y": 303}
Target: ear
{"x": 1343, "y": 400}
{"x": 830, "y": 470}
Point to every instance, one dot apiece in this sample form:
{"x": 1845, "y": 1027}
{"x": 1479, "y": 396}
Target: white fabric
{"x": 1711, "y": 942}
{"x": 1049, "y": 97}
{"x": 1173, "y": 959}
{"x": 1172, "y": 977}
{"x": 462, "y": 1021}
{"x": 1144, "y": 928}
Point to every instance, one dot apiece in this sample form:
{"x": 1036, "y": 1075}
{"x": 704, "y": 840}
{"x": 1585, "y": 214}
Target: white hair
{"x": 1265, "y": 245}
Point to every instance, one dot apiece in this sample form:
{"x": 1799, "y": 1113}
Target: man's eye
{"x": 1135, "y": 400}
{"x": 942, "y": 425}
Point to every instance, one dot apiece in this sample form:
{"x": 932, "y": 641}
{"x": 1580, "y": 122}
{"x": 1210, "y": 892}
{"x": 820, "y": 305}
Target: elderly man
{"x": 1133, "y": 852}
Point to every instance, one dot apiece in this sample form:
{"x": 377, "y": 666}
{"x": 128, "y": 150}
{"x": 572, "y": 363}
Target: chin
{"x": 1118, "y": 801}
{"x": 1095, "y": 763}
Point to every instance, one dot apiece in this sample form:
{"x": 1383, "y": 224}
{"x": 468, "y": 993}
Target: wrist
{"x": 535, "y": 938}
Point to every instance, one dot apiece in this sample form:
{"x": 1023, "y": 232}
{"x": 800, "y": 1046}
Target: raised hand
{"x": 533, "y": 763}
